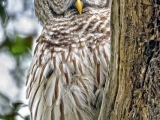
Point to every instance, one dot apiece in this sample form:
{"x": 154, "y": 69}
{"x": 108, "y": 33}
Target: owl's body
{"x": 67, "y": 75}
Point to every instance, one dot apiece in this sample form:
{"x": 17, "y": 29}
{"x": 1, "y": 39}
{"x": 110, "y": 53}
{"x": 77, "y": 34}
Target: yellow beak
{"x": 79, "y": 5}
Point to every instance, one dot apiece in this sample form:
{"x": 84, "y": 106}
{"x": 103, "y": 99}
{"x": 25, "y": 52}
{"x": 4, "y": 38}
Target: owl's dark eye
{"x": 73, "y": 6}
{"x": 51, "y": 8}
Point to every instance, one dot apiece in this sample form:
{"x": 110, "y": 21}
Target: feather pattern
{"x": 69, "y": 69}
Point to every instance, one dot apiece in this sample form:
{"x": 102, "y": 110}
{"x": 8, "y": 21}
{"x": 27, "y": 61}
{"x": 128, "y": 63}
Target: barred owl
{"x": 69, "y": 68}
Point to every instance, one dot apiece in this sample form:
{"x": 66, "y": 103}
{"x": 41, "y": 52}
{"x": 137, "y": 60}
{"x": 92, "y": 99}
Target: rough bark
{"x": 133, "y": 91}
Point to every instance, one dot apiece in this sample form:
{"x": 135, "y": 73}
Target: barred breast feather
{"x": 69, "y": 69}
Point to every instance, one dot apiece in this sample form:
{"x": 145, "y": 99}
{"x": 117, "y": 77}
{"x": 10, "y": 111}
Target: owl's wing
{"x": 60, "y": 83}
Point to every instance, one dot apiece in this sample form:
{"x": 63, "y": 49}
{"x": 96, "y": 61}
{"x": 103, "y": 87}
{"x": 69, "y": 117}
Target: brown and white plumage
{"x": 70, "y": 65}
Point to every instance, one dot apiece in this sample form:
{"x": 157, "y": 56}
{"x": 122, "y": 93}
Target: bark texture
{"x": 133, "y": 92}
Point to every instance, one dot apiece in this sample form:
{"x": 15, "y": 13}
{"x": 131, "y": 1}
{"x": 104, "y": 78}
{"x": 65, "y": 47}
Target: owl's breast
{"x": 88, "y": 29}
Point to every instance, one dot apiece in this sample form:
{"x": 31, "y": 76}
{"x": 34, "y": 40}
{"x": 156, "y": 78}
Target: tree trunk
{"x": 133, "y": 91}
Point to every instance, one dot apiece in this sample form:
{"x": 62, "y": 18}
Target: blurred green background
{"x": 19, "y": 30}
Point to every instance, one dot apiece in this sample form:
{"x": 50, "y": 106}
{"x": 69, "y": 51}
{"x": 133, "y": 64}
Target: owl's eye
{"x": 72, "y": 7}
{"x": 51, "y": 9}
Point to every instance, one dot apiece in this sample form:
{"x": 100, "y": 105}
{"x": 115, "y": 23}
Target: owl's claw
{"x": 79, "y": 6}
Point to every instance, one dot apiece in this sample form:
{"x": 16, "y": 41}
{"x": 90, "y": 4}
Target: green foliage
{"x": 19, "y": 48}
{"x": 14, "y": 108}
{"x": 12, "y": 116}
{"x": 19, "y": 45}
{"x": 3, "y": 13}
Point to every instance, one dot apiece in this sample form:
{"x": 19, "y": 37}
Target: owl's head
{"x": 45, "y": 9}
{"x": 60, "y": 6}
